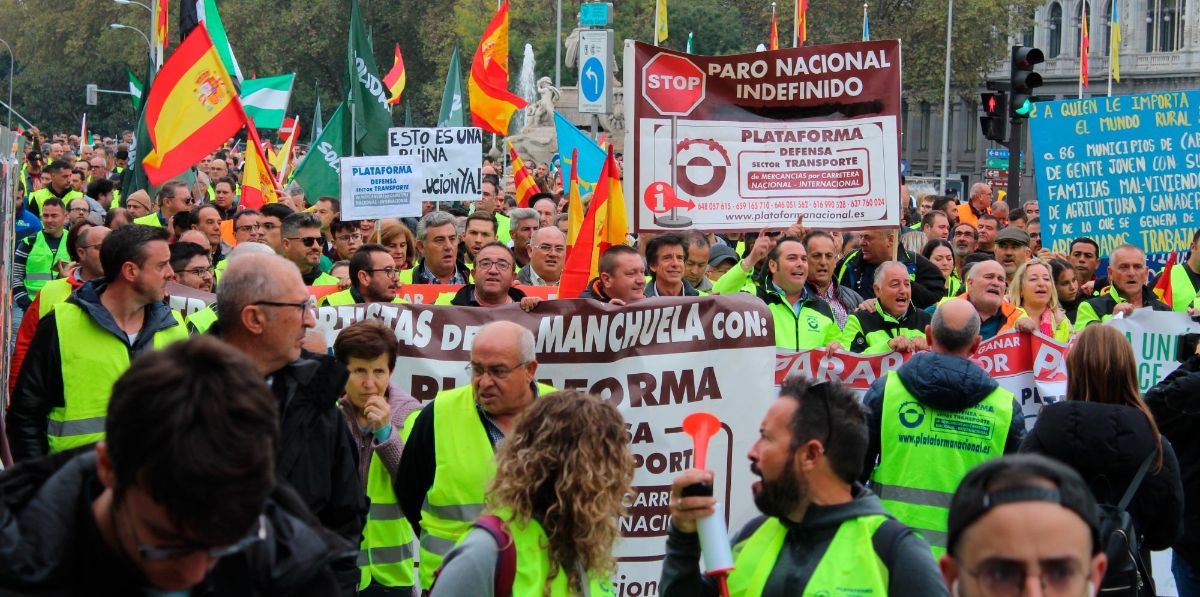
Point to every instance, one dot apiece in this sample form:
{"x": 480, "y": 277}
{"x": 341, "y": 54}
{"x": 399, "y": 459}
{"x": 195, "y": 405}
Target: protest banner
{"x": 450, "y": 158}
{"x": 656, "y": 361}
{"x": 1155, "y": 339}
{"x": 1122, "y": 169}
{"x": 737, "y": 143}
{"x": 377, "y": 187}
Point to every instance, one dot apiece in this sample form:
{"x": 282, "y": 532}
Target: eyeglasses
{"x": 348, "y": 237}
{"x": 552, "y": 248}
{"x": 496, "y": 372}
{"x": 163, "y": 554}
{"x": 309, "y": 241}
{"x": 196, "y": 271}
{"x": 390, "y": 272}
{"x": 78, "y": 210}
{"x": 248, "y": 228}
{"x": 309, "y": 304}
{"x": 488, "y": 264}
{"x": 1006, "y": 578}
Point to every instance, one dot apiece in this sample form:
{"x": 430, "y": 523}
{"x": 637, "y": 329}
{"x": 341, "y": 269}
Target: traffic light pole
{"x": 1015, "y": 142}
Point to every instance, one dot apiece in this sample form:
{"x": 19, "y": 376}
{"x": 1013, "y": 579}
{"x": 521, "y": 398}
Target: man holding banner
{"x": 1127, "y": 291}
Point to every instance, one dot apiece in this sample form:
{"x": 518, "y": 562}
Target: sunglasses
{"x": 309, "y": 241}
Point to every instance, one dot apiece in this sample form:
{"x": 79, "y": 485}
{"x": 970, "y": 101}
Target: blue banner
{"x": 1118, "y": 170}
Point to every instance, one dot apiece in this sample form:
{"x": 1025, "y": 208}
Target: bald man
{"x": 925, "y": 397}
{"x": 444, "y": 474}
{"x": 980, "y": 203}
{"x": 264, "y": 310}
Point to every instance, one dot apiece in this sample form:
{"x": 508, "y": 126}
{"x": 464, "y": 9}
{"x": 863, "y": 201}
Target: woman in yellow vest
{"x": 1033, "y": 289}
{"x": 377, "y": 411}
{"x": 561, "y": 478}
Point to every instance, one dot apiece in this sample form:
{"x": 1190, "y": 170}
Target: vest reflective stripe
{"x": 849, "y": 566}
{"x": 386, "y": 553}
{"x": 926, "y": 452}
{"x": 1182, "y": 291}
{"x": 39, "y": 267}
{"x": 533, "y": 565}
{"x": 92, "y": 360}
{"x": 464, "y": 465}
{"x": 53, "y": 293}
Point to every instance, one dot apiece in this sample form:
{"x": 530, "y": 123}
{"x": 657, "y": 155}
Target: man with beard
{"x": 695, "y": 264}
{"x": 925, "y": 397}
{"x": 300, "y": 235}
{"x": 963, "y": 243}
{"x": 191, "y": 265}
{"x": 63, "y": 388}
{"x": 665, "y": 256}
{"x": 1012, "y": 250}
{"x": 1127, "y": 290}
{"x": 893, "y": 323}
{"x": 820, "y": 531}
{"x": 373, "y": 278}
{"x": 493, "y": 287}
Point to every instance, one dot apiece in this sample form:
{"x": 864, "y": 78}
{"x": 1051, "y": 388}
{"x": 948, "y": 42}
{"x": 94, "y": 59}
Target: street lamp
{"x": 134, "y": 2}
{"x": 11, "y": 73}
{"x": 139, "y": 32}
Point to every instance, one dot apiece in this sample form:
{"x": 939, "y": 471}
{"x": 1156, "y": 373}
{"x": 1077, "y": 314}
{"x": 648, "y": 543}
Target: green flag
{"x": 318, "y": 173}
{"x": 368, "y": 115}
{"x": 207, "y": 13}
{"x": 315, "y": 131}
{"x": 266, "y": 99}
{"x": 452, "y": 113}
{"x": 135, "y": 90}
{"x": 134, "y": 177}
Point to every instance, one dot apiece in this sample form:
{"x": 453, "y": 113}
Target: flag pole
{"x": 656, "y": 3}
{"x": 796, "y": 26}
{"x": 945, "y": 98}
{"x": 1111, "y": 49}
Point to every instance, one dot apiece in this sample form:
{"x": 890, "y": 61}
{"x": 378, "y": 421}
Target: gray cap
{"x": 1013, "y": 234}
{"x": 720, "y": 254}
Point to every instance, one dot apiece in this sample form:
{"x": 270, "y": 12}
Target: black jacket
{"x": 420, "y": 275}
{"x": 40, "y": 384}
{"x": 317, "y": 455}
{"x": 52, "y": 544}
{"x": 940, "y": 381}
{"x": 465, "y": 297}
{"x": 652, "y": 288}
{"x": 929, "y": 285}
{"x": 1106, "y": 444}
{"x": 873, "y": 321}
{"x": 595, "y": 292}
{"x": 1175, "y": 403}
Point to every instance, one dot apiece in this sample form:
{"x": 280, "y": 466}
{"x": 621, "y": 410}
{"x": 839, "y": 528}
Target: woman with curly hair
{"x": 561, "y": 478}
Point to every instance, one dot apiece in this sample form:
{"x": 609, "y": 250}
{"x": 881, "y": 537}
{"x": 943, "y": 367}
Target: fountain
{"x": 526, "y": 88}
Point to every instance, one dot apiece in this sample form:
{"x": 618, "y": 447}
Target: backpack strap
{"x": 506, "y": 559}
{"x": 1137, "y": 480}
{"x": 886, "y": 540}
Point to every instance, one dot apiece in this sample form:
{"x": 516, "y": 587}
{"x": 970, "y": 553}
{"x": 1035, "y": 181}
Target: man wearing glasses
{"x": 301, "y": 241}
{"x": 448, "y": 452}
{"x": 264, "y": 310}
{"x": 192, "y": 266}
{"x": 347, "y": 238}
{"x": 547, "y": 256}
{"x": 173, "y": 197}
{"x": 373, "y": 278}
{"x": 493, "y": 287}
{"x": 961, "y": 416}
{"x": 178, "y": 499}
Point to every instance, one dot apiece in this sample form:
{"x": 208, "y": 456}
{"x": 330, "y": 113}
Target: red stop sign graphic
{"x": 673, "y": 85}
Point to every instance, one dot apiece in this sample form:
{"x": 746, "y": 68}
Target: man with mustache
{"x": 893, "y": 323}
{"x": 936, "y": 395}
{"x": 1012, "y": 250}
{"x": 815, "y": 513}
{"x": 963, "y": 241}
{"x": 301, "y": 243}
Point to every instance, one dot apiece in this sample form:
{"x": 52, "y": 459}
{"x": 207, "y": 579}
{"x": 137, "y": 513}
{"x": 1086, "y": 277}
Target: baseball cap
{"x": 1020, "y": 478}
{"x": 1013, "y": 234}
{"x": 720, "y": 254}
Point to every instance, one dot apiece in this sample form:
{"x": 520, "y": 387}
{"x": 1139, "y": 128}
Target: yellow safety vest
{"x": 386, "y": 554}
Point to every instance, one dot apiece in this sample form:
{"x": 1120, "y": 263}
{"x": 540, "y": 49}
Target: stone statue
{"x": 615, "y": 121}
{"x": 541, "y": 113}
{"x": 572, "y": 46}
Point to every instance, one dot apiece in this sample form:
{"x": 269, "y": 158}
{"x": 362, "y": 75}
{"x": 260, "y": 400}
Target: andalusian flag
{"x": 258, "y": 188}
{"x": 266, "y": 99}
{"x": 604, "y": 226}
{"x": 368, "y": 115}
{"x": 660, "y": 21}
{"x": 206, "y": 10}
{"x": 396, "y": 78}
{"x": 522, "y": 178}
{"x": 135, "y": 90}
{"x": 451, "y": 113}
{"x": 1114, "y": 52}
{"x": 689, "y": 45}
{"x": 191, "y": 109}
{"x": 318, "y": 172}
{"x": 492, "y": 105}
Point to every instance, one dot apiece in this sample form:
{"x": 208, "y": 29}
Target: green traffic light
{"x": 1025, "y": 109}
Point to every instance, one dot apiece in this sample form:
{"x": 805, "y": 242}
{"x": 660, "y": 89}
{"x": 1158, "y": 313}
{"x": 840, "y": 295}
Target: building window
{"x": 926, "y": 124}
{"x": 1055, "y": 43}
{"x": 1108, "y": 8}
{"x": 1078, "y": 20}
{"x": 970, "y": 109}
{"x": 1164, "y": 27}
{"x": 1027, "y": 37}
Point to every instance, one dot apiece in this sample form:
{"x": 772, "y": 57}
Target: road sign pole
{"x": 1014, "y": 162}
{"x": 674, "y": 220}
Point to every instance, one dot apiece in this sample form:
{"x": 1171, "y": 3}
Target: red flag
{"x": 396, "y": 78}
{"x": 774, "y": 33}
{"x": 604, "y": 226}
{"x": 1084, "y": 46}
{"x": 526, "y": 187}
{"x": 1163, "y": 286}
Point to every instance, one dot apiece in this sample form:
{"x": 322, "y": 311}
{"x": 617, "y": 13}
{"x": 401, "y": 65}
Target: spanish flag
{"x": 281, "y": 160}
{"x": 801, "y": 22}
{"x": 258, "y": 188}
{"x": 161, "y": 32}
{"x": 1162, "y": 288}
{"x": 492, "y": 105}
{"x": 191, "y": 109}
{"x": 774, "y": 33}
{"x": 1084, "y": 46}
{"x": 604, "y": 226}
{"x": 396, "y": 78}
{"x": 574, "y": 203}
{"x": 522, "y": 178}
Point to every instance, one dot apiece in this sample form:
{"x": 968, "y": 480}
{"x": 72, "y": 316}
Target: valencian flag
{"x": 258, "y": 187}
{"x": 396, "y": 78}
{"x": 522, "y": 178}
{"x": 492, "y": 105}
{"x": 604, "y": 226}
{"x": 191, "y": 109}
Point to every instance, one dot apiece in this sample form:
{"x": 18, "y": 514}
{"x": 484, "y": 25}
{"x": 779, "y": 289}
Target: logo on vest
{"x": 912, "y": 414}
{"x": 812, "y": 323}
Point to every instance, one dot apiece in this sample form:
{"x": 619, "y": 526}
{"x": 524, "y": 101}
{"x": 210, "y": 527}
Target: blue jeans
{"x": 1187, "y": 577}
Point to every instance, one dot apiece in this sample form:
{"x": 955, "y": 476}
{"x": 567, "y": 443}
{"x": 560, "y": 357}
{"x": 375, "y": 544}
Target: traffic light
{"x": 1023, "y": 79}
{"x": 995, "y": 123}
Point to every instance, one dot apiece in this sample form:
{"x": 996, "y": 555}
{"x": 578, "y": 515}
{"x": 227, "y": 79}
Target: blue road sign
{"x": 592, "y": 79}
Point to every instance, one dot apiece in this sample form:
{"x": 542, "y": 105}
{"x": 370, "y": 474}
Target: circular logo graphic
{"x": 591, "y": 79}
{"x": 912, "y": 414}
